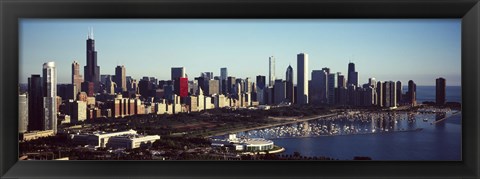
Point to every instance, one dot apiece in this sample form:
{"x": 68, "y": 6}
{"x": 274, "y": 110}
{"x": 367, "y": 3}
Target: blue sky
{"x": 400, "y": 49}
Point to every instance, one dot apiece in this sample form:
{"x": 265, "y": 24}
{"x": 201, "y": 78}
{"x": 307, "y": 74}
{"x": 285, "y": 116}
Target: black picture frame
{"x": 11, "y": 11}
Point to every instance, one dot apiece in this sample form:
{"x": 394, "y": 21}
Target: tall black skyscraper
{"x": 261, "y": 89}
{"x": 36, "y": 119}
{"x": 352, "y": 75}
{"x": 399, "y": 93}
{"x": 231, "y": 84}
{"x": 289, "y": 84}
{"x": 92, "y": 71}
{"x": 412, "y": 93}
{"x": 440, "y": 91}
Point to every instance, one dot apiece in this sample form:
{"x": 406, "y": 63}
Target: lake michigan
{"x": 415, "y": 137}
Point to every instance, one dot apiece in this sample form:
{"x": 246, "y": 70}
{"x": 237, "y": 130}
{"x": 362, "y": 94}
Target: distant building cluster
{"x": 95, "y": 96}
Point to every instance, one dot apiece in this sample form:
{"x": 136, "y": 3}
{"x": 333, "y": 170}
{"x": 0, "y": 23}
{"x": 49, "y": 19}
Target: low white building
{"x": 98, "y": 139}
{"x": 131, "y": 141}
{"x": 244, "y": 144}
{"x": 32, "y": 135}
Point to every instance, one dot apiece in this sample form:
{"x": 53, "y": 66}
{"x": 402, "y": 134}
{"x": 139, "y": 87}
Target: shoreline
{"x": 445, "y": 118}
{"x": 296, "y": 120}
{"x": 368, "y": 133}
{"x": 273, "y": 125}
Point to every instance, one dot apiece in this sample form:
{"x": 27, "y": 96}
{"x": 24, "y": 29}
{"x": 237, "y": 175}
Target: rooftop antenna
{"x": 92, "y": 32}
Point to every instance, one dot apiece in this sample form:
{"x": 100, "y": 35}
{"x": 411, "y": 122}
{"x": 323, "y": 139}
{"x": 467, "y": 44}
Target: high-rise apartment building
{"x": 22, "y": 113}
{"x": 379, "y": 93}
{"x": 289, "y": 84}
{"x": 50, "y": 96}
{"x": 440, "y": 91}
{"x": 271, "y": 70}
{"x": 399, "y": 92}
{"x": 302, "y": 79}
{"x": 389, "y": 94}
{"x": 412, "y": 93}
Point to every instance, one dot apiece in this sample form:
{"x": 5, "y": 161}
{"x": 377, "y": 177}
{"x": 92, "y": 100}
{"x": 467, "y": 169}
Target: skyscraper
{"x": 181, "y": 87}
{"x": 223, "y": 80}
{"x": 248, "y": 85}
{"x": 207, "y": 75}
{"x": 302, "y": 78}
{"x": 261, "y": 91}
{"x": 76, "y": 77}
{"x": 180, "y": 82}
{"x": 440, "y": 91}
{"x": 110, "y": 85}
{"x": 389, "y": 94}
{"x": 92, "y": 71}
{"x": 289, "y": 84}
{"x": 399, "y": 89}
{"x": 271, "y": 70}
{"x": 380, "y": 94}
{"x": 386, "y": 93}
{"x": 341, "y": 82}
{"x": 318, "y": 93}
{"x": 178, "y": 72}
{"x": 50, "y": 96}
{"x": 352, "y": 75}
{"x": 372, "y": 82}
{"x": 212, "y": 87}
{"x": 231, "y": 85}
{"x": 412, "y": 93}
{"x": 35, "y": 103}
{"x": 352, "y": 95}
{"x": 331, "y": 88}
{"x": 22, "y": 113}
{"x": 223, "y": 73}
{"x": 279, "y": 91}
{"x": 120, "y": 78}
{"x": 341, "y": 91}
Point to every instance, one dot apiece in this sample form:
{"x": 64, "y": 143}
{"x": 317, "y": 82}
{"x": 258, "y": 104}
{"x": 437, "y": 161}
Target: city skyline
{"x": 193, "y": 67}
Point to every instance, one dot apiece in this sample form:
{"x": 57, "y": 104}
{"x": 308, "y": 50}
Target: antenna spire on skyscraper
{"x": 90, "y": 33}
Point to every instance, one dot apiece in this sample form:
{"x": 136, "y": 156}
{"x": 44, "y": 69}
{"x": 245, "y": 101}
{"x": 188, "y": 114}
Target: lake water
{"x": 407, "y": 139}
{"x": 411, "y": 137}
